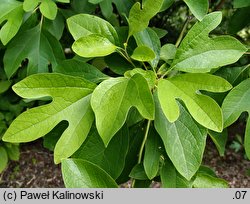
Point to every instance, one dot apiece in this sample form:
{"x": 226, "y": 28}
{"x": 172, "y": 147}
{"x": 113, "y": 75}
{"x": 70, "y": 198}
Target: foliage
{"x": 112, "y": 97}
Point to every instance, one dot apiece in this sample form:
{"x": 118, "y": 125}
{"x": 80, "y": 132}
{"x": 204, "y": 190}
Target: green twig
{"x": 141, "y": 149}
{"x": 182, "y": 32}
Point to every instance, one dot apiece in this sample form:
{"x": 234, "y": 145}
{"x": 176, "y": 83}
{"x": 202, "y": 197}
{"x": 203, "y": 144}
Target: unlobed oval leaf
{"x": 199, "y": 53}
{"x": 82, "y": 25}
{"x": 93, "y": 46}
{"x": 113, "y": 98}
{"x": 49, "y": 9}
{"x": 198, "y": 7}
{"x": 78, "y": 173}
{"x": 143, "y": 53}
{"x": 186, "y": 87}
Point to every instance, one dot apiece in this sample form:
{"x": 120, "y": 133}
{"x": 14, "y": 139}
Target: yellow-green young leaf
{"x": 113, "y": 98}
{"x": 186, "y": 87}
{"x": 48, "y": 8}
{"x": 168, "y": 52}
{"x": 39, "y": 47}
{"x": 143, "y": 54}
{"x": 236, "y": 102}
{"x": 93, "y": 46}
{"x": 3, "y": 159}
{"x": 82, "y": 25}
{"x": 78, "y": 173}
{"x": 70, "y": 101}
{"x": 63, "y": 1}
{"x": 184, "y": 140}
{"x": 11, "y": 11}
{"x": 149, "y": 75}
{"x": 198, "y": 7}
{"x": 199, "y": 53}
{"x": 149, "y": 38}
{"x": 140, "y": 15}
{"x": 30, "y": 5}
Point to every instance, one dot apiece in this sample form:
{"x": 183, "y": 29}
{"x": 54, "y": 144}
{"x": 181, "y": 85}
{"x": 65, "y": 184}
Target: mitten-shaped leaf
{"x": 236, "y": 102}
{"x": 184, "y": 140}
{"x": 11, "y": 11}
{"x": 199, "y": 53}
{"x": 112, "y": 100}
{"x": 140, "y": 15}
{"x": 70, "y": 101}
{"x": 186, "y": 87}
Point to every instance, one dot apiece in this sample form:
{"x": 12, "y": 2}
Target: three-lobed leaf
{"x": 71, "y": 102}
{"x": 113, "y": 98}
{"x": 186, "y": 87}
{"x": 199, "y": 53}
{"x": 40, "y": 48}
{"x": 236, "y": 102}
{"x": 78, "y": 173}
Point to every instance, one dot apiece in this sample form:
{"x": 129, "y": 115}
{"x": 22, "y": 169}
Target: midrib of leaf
{"x": 54, "y": 115}
{"x": 190, "y": 97}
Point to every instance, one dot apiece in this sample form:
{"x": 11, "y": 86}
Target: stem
{"x": 124, "y": 53}
{"x": 182, "y": 32}
{"x": 141, "y": 149}
{"x": 41, "y": 22}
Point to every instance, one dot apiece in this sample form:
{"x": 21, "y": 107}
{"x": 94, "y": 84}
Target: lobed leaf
{"x": 39, "y": 47}
{"x": 186, "y": 87}
{"x": 11, "y": 11}
{"x": 199, "y": 53}
{"x": 71, "y": 102}
{"x": 140, "y": 15}
{"x": 199, "y": 7}
{"x": 113, "y": 98}
{"x": 184, "y": 140}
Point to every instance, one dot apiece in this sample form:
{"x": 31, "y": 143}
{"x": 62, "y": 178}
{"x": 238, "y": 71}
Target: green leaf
{"x": 70, "y": 95}
{"x": 40, "y": 48}
{"x": 4, "y": 86}
{"x": 168, "y": 52}
{"x": 186, "y": 87}
{"x": 207, "y": 181}
{"x": 110, "y": 159}
{"x": 239, "y": 20}
{"x": 138, "y": 172}
{"x": 123, "y": 7}
{"x": 106, "y": 8}
{"x": 199, "y": 53}
{"x": 149, "y": 38}
{"x": 79, "y": 68}
{"x": 198, "y": 7}
{"x": 30, "y": 5}
{"x": 117, "y": 63}
{"x": 63, "y": 1}
{"x": 95, "y": 1}
{"x": 143, "y": 54}
{"x": 241, "y": 3}
{"x": 93, "y": 46}
{"x": 152, "y": 154}
{"x": 12, "y": 151}
{"x": 113, "y": 98}
{"x": 166, "y": 4}
{"x": 184, "y": 140}
{"x": 79, "y": 173}
{"x": 82, "y": 25}
{"x": 48, "y": 8}
{"x": 149, "y": 75}
{"x": 11, "y": 11}
{"x": 3, "y": 159}
{"x": 220, "y": 140}
{"x": 236, "y": 102}
{"x": 140, "y": 15}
